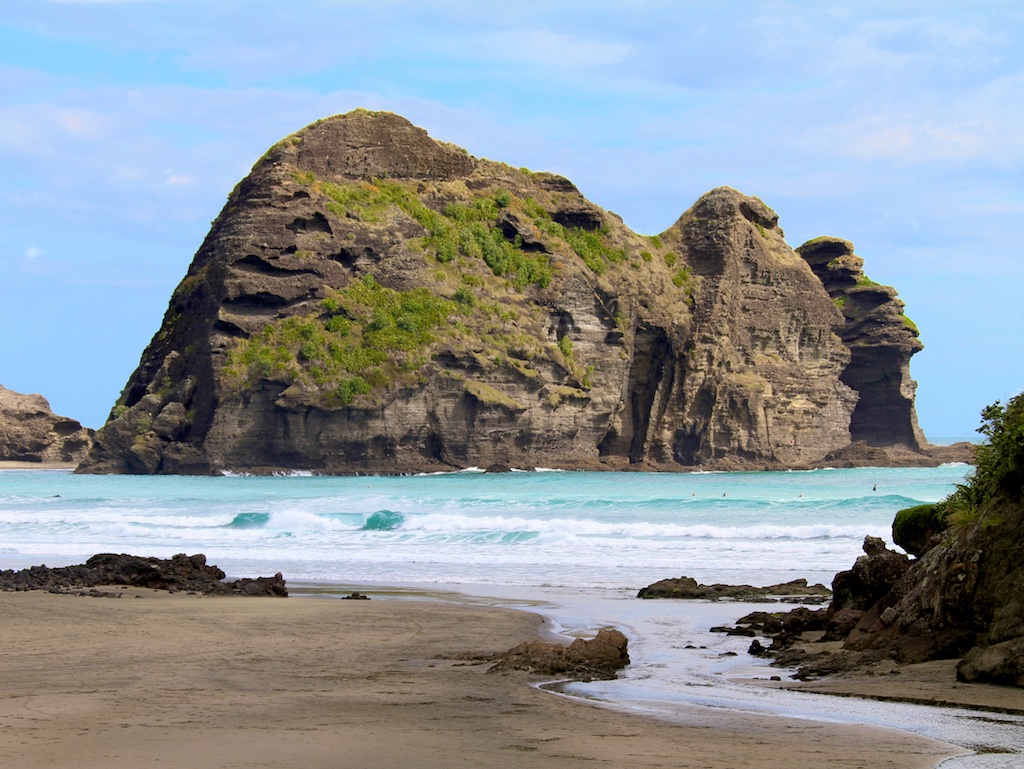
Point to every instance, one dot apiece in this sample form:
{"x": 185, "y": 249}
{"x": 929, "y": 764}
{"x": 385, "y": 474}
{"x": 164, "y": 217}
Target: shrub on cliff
{"x": 914, "y": 527}
{"x": 999, "y": 464}
{"x": 998, "y": 475}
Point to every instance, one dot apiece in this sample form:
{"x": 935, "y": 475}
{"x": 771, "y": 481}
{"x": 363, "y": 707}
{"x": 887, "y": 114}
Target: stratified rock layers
{"x": 371, "y": 300}
{"x": 31, "y": 432}
{"x": 881, "y": 340}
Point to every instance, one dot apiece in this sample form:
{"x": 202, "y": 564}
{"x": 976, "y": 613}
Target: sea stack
{"x": 371, "y": 300}
{"x": 31, "y": 432}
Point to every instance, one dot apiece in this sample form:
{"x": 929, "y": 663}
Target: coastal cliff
{"x": 373, "y": 300}
{"x": 31, "y": 432}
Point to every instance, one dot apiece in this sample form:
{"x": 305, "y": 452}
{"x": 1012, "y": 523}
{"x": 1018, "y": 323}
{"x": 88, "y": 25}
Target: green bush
{"x": 565, "y": 347}
{"x": 682, "y": 278}
{"x": 999, "y": 467}
{"x": 592, "y": 247}
{"x": 914, "y": 527}
{"x": 999, "y": 462}
{"x": 348, "y": 389}
{"x": 464, "y": 296}
{"x": 368, "y": 336}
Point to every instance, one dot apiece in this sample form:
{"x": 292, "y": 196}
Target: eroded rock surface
{"x": 687, "y": 587}
{"x": 881, "y": 340}
{"x": 181, "y": 572}
{"x": 372, "y": 300}
{"x": 595, "y": 659}
{"x": 31, "y": 432}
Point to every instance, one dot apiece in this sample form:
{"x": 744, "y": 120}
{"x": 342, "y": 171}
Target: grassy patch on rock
{"x": 364, "y": 338}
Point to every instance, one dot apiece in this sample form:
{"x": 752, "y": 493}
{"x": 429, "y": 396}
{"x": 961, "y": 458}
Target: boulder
{"x": 584, "y": 660}
{"x": 1002, "y": 663}
{"x": 873, "y": 575}
{"x": 687, "y": 587}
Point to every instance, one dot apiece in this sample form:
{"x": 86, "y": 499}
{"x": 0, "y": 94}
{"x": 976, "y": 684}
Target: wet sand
{"x": 176, "y": 680}
{"x": 927, "y": 683}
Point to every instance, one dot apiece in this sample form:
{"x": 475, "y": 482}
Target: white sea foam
{"x": 586, "y": 529}
{"x": 586, "y": 540}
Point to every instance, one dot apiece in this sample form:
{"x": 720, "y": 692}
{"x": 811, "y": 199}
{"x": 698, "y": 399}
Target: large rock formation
{"x": 881, "y": 340}
{"x": 963, "y": 596}
{"x": 31, "y": 432}
{"x": 371, "y": 300}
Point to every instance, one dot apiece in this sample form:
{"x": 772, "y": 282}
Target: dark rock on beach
{"x": 687, "y": 587}
{"x": 31, "y": 432}
{"x": 179, "y": 573}
{"x": 597, "y": 659}
{"x": 373, "y": 300}
{"x": 961, "y": 598}
{"x": 872, "y": 577}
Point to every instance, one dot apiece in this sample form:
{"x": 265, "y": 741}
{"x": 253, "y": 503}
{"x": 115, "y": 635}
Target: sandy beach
{"x": 9, "y": 464}
{"x": 175, "y": 680}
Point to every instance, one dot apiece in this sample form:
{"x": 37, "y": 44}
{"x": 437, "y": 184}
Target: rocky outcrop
{"x": 372, "y": 300}
{"x": 871, "y": 578}
{"x": 687, "y": 587}
{"x": 179, "y": 573}
{"x": 31, "y": 432}
{"x": 881, "y": 340}
{"x": 761, "y": 377}
{"x": 963, "y": 597}
{"x": 595, "y": 660}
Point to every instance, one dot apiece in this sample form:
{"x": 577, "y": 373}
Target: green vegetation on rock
{"x": 593, "y": 248}
{"x": 367, "y": 337}
{"x": 467, "y": 229}
{"x": 914, "y": 527}
{"x": 998, "y": 475}
{"x": 485, "y": 393}
{"x": 471, "y": 230}
{"x": 999, "y": 463}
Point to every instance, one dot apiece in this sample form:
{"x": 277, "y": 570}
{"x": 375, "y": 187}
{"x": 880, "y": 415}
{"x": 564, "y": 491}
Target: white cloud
{"x": 907, "y": 141}
{"x": 546, "y": 49}
{"x": 32, "y": 253}
{"x": 46, "y": 128}
{"x": 179, "y": 180}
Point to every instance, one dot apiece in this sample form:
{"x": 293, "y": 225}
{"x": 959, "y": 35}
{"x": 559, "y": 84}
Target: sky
{"x": 124, "y": 124}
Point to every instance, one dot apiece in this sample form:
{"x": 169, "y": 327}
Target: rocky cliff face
{"x": 31, "y": 432}
{"x": 371, "y": 300}
{"x": 881, "y": 340}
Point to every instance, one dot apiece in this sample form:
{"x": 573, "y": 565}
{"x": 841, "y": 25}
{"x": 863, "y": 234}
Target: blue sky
{"x": 124, "y": 124}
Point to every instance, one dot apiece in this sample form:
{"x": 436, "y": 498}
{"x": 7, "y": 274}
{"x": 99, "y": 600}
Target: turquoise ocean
{"x": 574, "y": 547}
